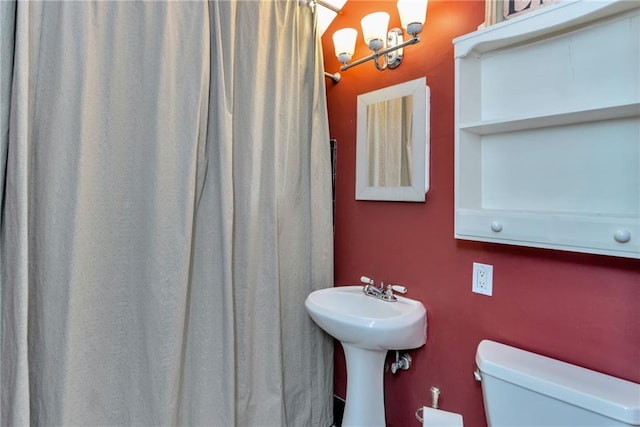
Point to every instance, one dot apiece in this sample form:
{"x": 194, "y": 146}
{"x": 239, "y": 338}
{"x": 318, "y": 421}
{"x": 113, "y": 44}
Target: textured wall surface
{"x": 579, "y": 308}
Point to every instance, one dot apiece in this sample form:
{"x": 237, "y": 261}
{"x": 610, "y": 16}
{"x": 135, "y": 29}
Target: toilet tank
{"x": 526, "y": 389}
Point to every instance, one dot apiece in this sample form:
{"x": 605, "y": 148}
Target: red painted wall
{"x": 583, "y": 309}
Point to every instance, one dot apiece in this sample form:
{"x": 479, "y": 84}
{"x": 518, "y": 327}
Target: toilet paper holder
{"x": 435, "y": 395}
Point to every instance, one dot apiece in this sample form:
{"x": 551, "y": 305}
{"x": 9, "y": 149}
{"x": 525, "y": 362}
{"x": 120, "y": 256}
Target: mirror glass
{"x": 392, "y": 143}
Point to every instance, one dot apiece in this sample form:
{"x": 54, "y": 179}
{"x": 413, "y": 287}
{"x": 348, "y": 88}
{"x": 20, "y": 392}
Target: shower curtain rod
{"x": 335, "y": 77}
{"x": 312, "y": 3}
{"x": 326, "y": 5}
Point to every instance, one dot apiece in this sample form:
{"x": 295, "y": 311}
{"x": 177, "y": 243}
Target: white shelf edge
{"x": 514, "y": 233}
{"x": 536, "y": 244}
{"x": 550, "y": 19}
{"x": 486, "y": 127}
{"x": 604, "y": 216}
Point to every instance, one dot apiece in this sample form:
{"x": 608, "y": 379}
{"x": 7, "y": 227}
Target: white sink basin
{"x": 352, "y": 317}
{"x": 367, "y": 327}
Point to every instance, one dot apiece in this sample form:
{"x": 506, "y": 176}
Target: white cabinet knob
{"x": 622, "y": 236}
{"x": 496, "y": 226}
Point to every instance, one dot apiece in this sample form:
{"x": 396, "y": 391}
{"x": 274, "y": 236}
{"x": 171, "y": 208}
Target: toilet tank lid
{"x": 610, "y": 396}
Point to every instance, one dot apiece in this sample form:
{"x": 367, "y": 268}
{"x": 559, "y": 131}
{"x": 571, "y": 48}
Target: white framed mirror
{"x": 393, "y": 143}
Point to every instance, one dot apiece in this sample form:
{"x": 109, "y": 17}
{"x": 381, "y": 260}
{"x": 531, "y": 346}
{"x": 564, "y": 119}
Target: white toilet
{"x": 525, "y": 389}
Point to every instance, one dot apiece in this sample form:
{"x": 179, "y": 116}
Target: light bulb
{"x": 374, "y": 29}
{"x": 412, "y": 15}
{"x": 344, "y": 43}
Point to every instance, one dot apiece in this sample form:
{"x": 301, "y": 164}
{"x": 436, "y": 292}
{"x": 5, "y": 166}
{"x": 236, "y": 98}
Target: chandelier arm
{"x": 412, "y": 40}
{"x": 375, "y": 55}
{"x": 384, "y": 61}
{"x": 358, "y": 62}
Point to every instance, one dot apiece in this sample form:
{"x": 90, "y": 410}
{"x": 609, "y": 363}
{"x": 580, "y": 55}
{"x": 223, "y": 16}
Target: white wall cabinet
{"x": 548, "y": 129}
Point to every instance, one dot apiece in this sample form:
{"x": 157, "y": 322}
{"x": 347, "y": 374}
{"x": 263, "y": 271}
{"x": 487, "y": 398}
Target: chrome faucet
{"x": 380, "y": 292}
{"x": 370, "y": 288}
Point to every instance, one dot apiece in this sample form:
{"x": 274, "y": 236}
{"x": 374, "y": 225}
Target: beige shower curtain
{"x": 166, "y": 210}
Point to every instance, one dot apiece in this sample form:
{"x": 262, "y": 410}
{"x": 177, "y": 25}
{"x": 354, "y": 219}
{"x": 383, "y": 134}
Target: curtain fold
{"x": 389, "y": 142}
{"x": 166, "y": 210}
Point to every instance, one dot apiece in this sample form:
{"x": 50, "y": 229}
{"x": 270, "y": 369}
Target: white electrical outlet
{"x": 482, "y": 279}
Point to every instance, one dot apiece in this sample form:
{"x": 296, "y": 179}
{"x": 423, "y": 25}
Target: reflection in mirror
{"x": 393, "y": 143}
{"x": 389, "y": 142}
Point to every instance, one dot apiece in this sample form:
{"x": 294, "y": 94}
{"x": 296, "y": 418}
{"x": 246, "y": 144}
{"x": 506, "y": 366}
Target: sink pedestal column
{"x": 364, "y": 405}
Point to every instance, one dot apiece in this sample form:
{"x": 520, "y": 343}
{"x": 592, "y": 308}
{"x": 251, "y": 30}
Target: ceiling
{"x": 325, "y": 14}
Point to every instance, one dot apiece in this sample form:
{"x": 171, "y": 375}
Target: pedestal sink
{"x": 367, "y": 327}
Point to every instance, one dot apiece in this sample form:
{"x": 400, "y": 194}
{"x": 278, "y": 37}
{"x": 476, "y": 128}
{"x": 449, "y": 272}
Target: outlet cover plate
{"x": 482, "y": 279}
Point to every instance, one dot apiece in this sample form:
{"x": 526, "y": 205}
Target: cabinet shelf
{"x": 487, "y": 127}
{"x": 547, "y": 143}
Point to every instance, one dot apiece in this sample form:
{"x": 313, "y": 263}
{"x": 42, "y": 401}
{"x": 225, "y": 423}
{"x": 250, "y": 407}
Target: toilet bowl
{"x": 521, "y": 388}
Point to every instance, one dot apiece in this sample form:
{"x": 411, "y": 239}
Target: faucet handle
{"x": 397, "y": 288}
{"x": 365, "y": 279}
